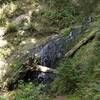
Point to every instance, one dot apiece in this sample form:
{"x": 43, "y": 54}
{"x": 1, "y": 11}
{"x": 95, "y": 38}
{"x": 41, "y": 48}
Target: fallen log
{"x": 80, "y": 44}
{"x": 30, "y": 67}
{"x": 26, "y": 72}
{"x": 45, "y": 69}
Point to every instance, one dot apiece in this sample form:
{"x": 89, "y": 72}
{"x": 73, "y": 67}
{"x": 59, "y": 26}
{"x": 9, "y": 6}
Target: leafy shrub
{"x": 30, "y": 92}
{"x": 80, "y": 74}
{"x": 86, "y": 7}
{"x": 15, "y": 63}
{"x": 11, "y": 27}
{"x": 66, "y": 80}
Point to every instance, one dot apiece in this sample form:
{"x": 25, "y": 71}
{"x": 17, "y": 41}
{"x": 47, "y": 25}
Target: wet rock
{"x": 51, "y": 51}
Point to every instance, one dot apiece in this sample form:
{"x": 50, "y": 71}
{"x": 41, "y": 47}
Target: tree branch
{"x": 80, "y": 44}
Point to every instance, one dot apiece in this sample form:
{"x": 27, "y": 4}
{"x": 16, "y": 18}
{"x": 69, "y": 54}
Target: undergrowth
{"x": 80, "y": 74}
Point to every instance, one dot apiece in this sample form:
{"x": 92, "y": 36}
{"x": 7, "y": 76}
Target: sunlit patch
{"x": 21, "y": 32}
{"x": 3, "y": 69}
{"x": 2, "y": 63}
{"x": 26, "y": 24}
{"x": 8, "y": 8}
{"x": 13, "y": 7}
{"x": 37, "y": 10}
{"x": 3, "y": 43}
{"x": 18, "y": 56}
{"x": 7, "y": 51}
{"x": 2, "y": 31}
{"x": 23, "y": 42}
{"x": 27, "y": 51}
{"x": 30, "y": 13}
{"x": 28, "y": 42}
{"x": 33, "y": 40}
{"x": 37, "y": 55}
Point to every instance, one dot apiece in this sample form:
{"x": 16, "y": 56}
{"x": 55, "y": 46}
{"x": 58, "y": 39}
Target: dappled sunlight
{"x": 33, "y": 40}
{"x": 3, "y": 43}
{"x": 37, "y": 55}
{"x": 2, "y": 31}
{"x": 37, "y": 10}
{"x": 3, "y": 64}
{"x": 3, "y": 53}
{"x": 8, "y": 8}
{"x": 3, "y": 68}
{"x": 50, "y": 47}
{"x": 13, "y": 7}
{"x": 21, "y": 32}
{"x": 29, "y": 41}
{"x": 23, "y": 42}
{"x": 23, "y": 48}
{"x": 27, "y": 44}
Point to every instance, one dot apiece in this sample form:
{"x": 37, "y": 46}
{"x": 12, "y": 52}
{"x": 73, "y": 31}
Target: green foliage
{"x": 15, "y": 63}
{"x": 67, "y": 78}
{"x": 61, "y": 13}
{"x": 73, "y": 97}
{"x": 87, "y": 7}
{"x": 59, "y": 18}
{"x": 30, "y": 92}
{"x": 11, "y": 27}
{"x": 81, "y": 73}
{"x": 3, "y": 98}
{"x": 56, "y": 14}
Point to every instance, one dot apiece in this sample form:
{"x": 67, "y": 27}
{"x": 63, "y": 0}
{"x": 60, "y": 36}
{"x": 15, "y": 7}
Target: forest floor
{"x": 8, "y": 52}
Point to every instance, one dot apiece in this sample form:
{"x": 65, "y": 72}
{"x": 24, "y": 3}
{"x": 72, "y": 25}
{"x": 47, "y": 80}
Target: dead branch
{"x": 80, "y": 44}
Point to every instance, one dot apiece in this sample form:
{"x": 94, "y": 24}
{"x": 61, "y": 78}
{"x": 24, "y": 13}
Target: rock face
{"x": 48, "y": 54}
{"x": 51, "y": 51}
{"x": 54, "y": 49}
